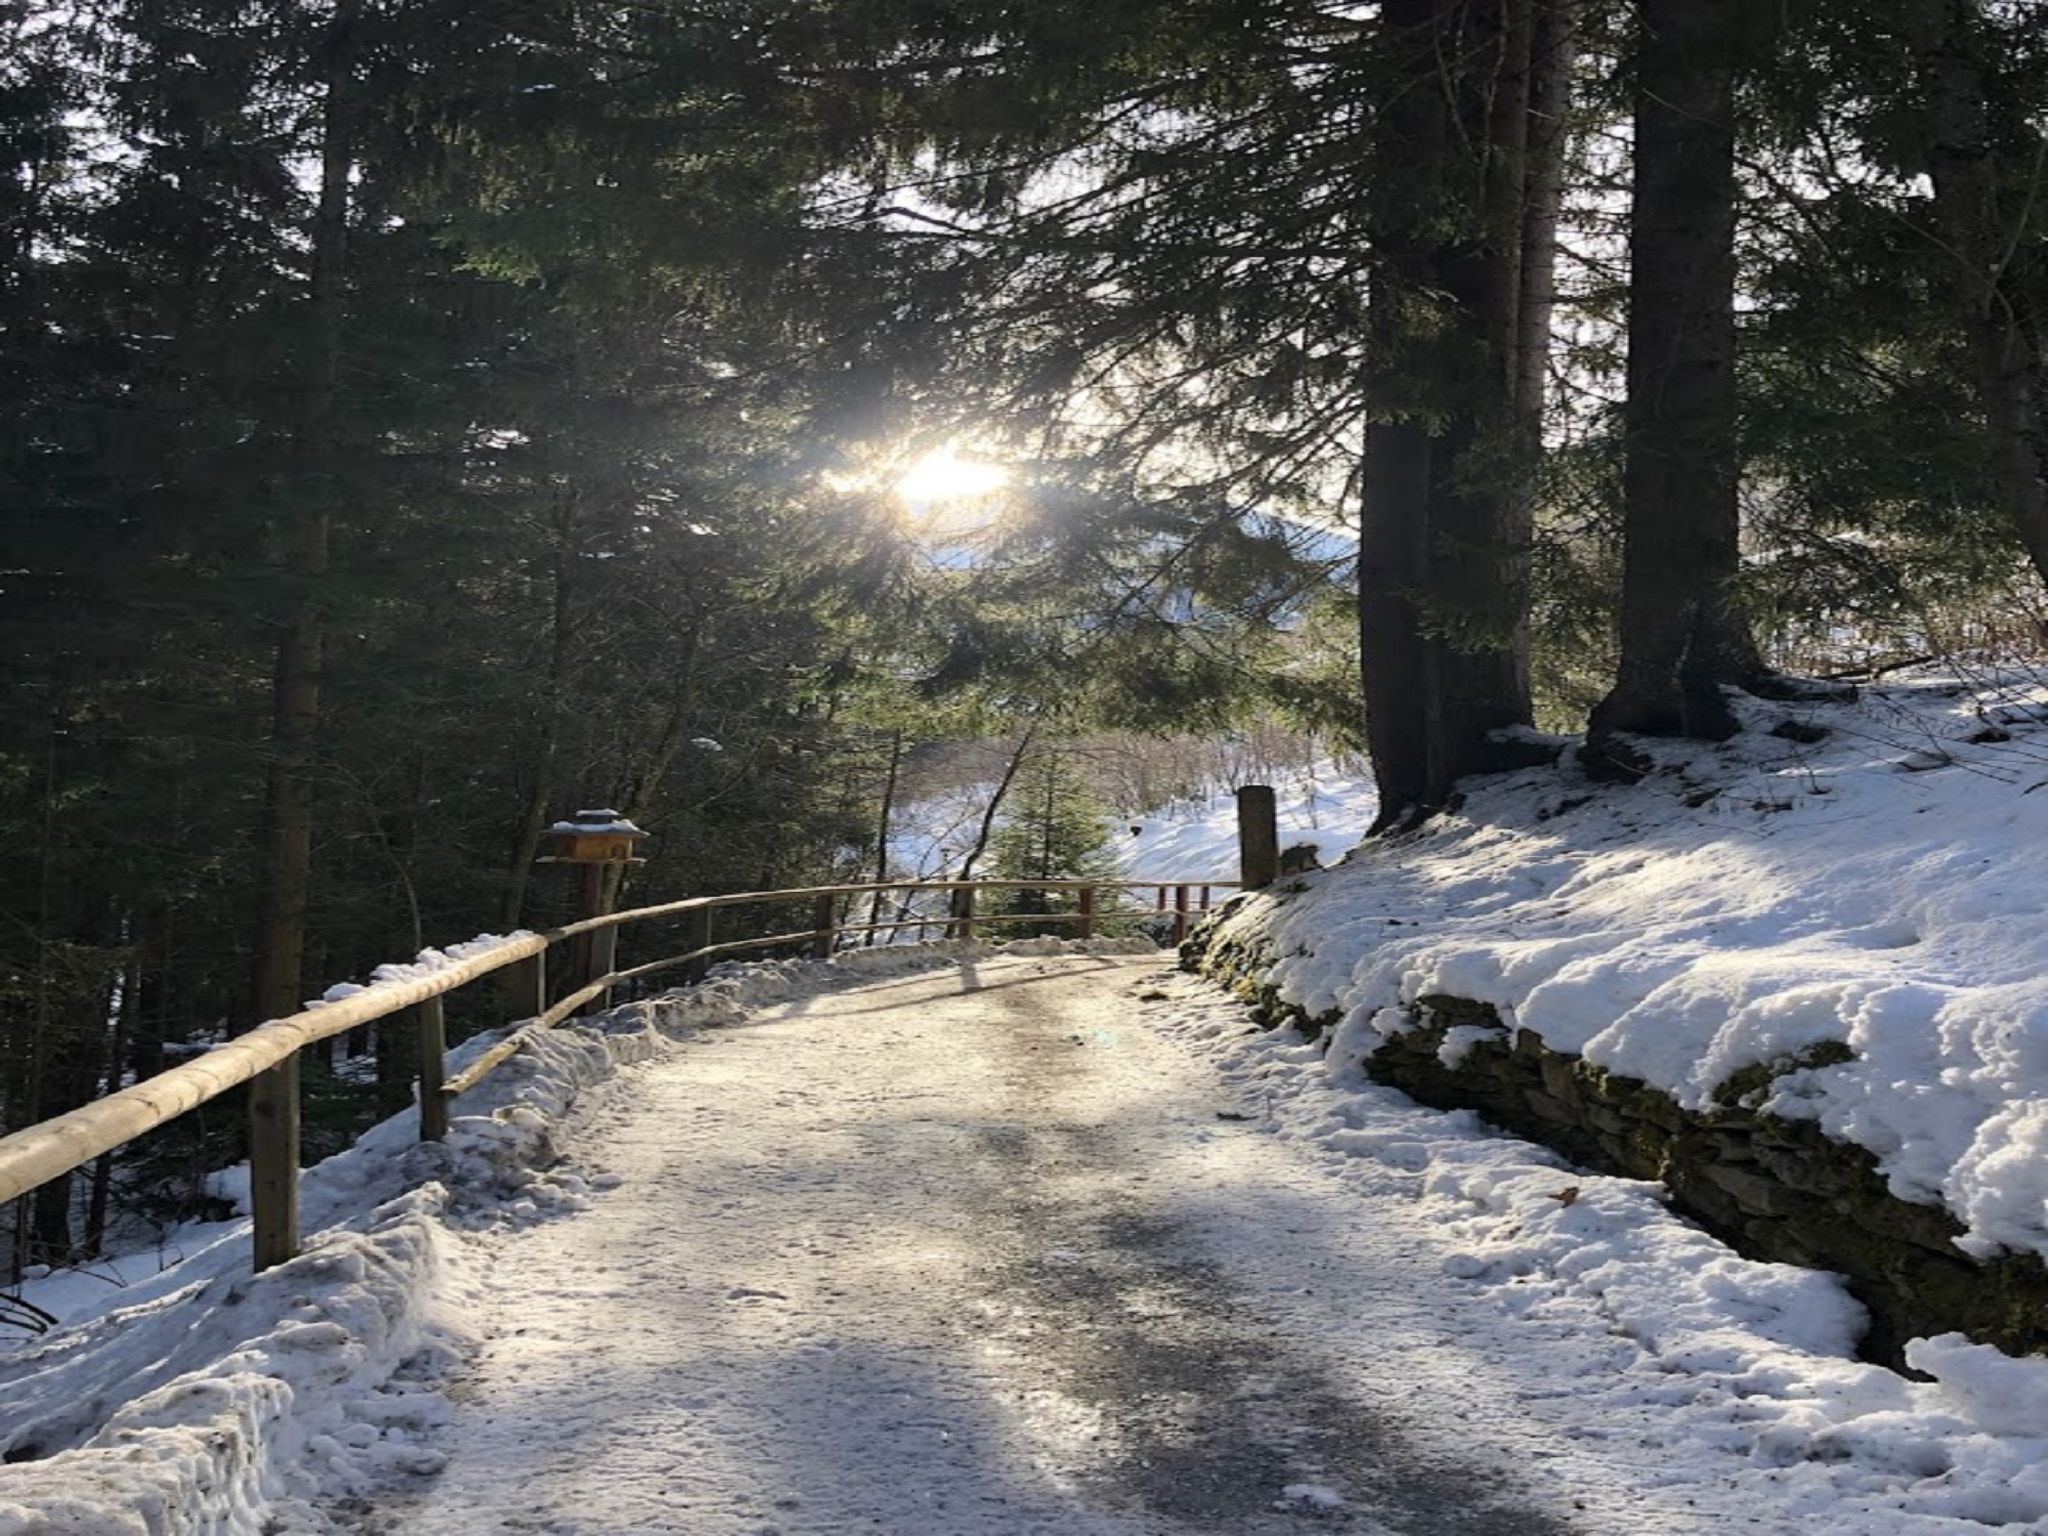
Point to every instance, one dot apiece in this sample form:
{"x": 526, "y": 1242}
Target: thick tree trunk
{"x": 1983, "y": 252}
{"x": 1410, "y": 137}
{"x": 1481, "y": 503}
{"x": 1444, "y": 548}
{"x": 1680, "y": 636}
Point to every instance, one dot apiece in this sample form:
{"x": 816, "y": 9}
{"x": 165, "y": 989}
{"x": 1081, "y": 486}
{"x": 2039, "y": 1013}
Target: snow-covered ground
{"x": 1327, "y": 807}
{"x": 189, "y": 1396}
{"x": 1883, "y": 886}
{"x": 1323, "y": 807}
{"x": 1710, "y": 1390}
{"x": 981, "y": 1242}
{"x": 1008, "y": 1247}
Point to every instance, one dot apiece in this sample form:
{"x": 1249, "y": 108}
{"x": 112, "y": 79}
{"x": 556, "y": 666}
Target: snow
{"x": 989, "y": 1240}
{"x": 1741, "y": 1369}
{"x": 1740, "y": 905}
{"x": 1325, "y": 808}
{"x": 603, "y": 820}
{"x": 198, "y": 1398}
{"x": 425, "y": 964}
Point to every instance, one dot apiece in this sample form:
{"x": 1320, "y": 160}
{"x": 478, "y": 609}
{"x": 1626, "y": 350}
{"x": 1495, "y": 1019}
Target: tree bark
{"x": 1680, "y": 637}
{"x": 295, "y": 698}
{"x": 533, "y": 815}
{"x": 1552, "y": 48}
{"x": 1983, "y": 254}
{"x": 1444, "y": 546}
{"x": 882, "y": 832}
{"x": 1410, "y": 134}
{"x": 295, "y": 695}
{"x": 1481, "y": 501}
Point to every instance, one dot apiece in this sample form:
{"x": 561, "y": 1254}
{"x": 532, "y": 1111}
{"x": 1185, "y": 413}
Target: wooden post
{"x": 1159, "y": 905}
{"x": 1258, "y": 837}
{"x": 433, "y": 1068}
{"x": 967, "y": 912}
{"x": 604, "y": 954}
{"x": 824, "y": 931}
{"x": 590, "y": 903}
{"x": 1205, "y": 897}
{"x": 1087, "y": 911}
{"x": 274, "y": 1162}
{"x": 698, "y": 929}
{"x": 1180, "y": 915}
{"x": 526, "y": 987}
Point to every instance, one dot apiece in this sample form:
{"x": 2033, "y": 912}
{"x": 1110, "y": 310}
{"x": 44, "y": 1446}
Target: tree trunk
{"x": 1409, "y": 144}
{"x": 882, "y": 833}
{"x": 1680, "y": 637}
{"x": 533, "y": 816}
{"x": 2005, "y": 332}
{"x": 995, "y": 801}
{"x": 1444, "y": 550}
{"x": 295, "y": 695}
{"x": 1481, "y": 501}
{"x": 1553, "y": 47}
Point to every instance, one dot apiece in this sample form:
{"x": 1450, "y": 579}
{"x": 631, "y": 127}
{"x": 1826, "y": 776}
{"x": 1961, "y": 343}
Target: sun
{"x": 944, "y": 476}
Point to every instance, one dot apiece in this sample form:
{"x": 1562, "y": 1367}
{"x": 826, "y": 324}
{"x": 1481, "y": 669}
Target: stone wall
{"x": 1771, "y": 1188}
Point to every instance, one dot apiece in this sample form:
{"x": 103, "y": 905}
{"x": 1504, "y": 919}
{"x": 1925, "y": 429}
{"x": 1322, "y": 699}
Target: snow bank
{"x": 1747, "y": 1362}
{"x": 1326, "y": 809}
{"x": 1883, "y": 887}
{"x": 203, "y": 1399}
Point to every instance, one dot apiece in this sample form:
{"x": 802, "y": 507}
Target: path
{"x": 974, "y": 1252}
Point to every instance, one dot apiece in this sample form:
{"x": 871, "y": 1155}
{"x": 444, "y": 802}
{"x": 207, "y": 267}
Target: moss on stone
{"x": 1758, "y": 1076}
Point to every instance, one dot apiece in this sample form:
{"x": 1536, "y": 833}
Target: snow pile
{"x": 204, "y": 1399}
{"x": 1325, "y": 808}
{"x": 1882, "y": 887}
{"x": 425, "y": 964}
{"x": 1744, "y": 1361}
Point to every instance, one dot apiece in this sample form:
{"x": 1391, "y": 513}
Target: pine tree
{"x": 1055, "y": 829}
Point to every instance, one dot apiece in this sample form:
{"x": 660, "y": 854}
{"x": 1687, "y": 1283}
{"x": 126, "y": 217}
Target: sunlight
{"x": 944, "y": 476}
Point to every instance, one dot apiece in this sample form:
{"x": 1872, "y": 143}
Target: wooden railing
{"x": 55, "y": 1147}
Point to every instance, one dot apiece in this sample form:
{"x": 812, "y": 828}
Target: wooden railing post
{"x": 1205, "y": 897}
{"x": 604, "y": 953}
{"x": 825, "y": 932}
{"x": 1258, "y": 837}
{"x": 967, "y": 912}
{"x": 274, "y": 1162}
{"x": 1180, "y": 914}
{"x": 530, "y": 987}
{"x": 698, "y": 929}
{"x": 1087, "y": 911}
{"x": 433, "y": 1028}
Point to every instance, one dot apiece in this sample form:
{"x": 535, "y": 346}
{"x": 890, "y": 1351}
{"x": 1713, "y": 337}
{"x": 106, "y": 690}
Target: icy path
{"x": 975, "y": 1251}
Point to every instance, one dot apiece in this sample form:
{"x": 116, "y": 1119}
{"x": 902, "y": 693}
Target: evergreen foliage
{"x": 417, "y": 420}
{"x": 1055, "y": 830}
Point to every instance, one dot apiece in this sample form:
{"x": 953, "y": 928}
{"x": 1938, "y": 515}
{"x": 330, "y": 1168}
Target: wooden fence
{"x": 267, "y": 1056}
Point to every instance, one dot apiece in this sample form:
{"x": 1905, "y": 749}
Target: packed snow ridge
{"x": 1873, "y": 873}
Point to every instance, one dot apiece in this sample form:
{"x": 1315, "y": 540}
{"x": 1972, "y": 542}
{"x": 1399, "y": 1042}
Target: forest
{"x": 423, "y": 419}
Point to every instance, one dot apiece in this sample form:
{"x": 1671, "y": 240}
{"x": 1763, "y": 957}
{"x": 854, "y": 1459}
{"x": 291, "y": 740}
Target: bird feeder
{"x": 594, "y": 837}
